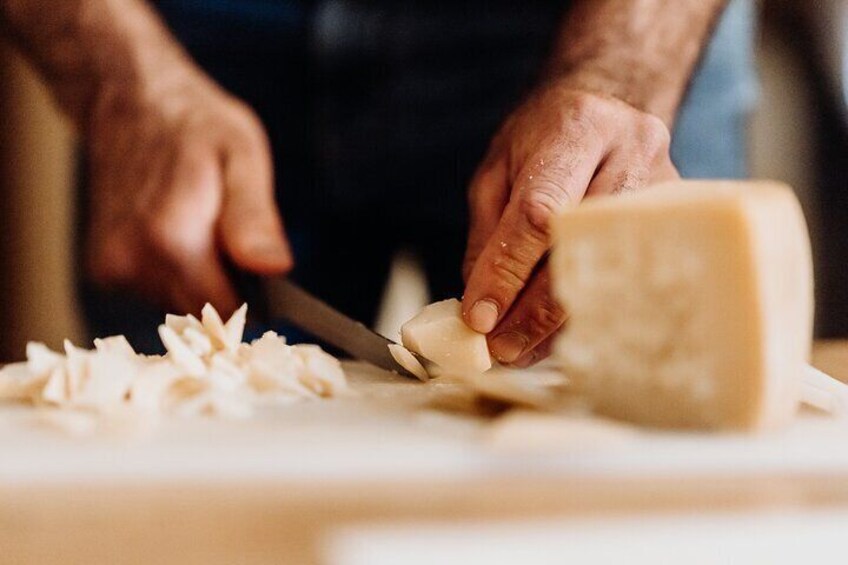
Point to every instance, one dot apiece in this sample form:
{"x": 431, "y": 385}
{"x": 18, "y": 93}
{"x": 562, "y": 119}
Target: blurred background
{"x": 799, "y": 134}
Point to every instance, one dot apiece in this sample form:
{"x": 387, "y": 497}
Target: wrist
{"x": 138, "y": 65}
{"x": 94, "y": 50}
{"x": 638, "y": 86}
{"x": 139, "y": 89}
{"x": 640, "y": 51}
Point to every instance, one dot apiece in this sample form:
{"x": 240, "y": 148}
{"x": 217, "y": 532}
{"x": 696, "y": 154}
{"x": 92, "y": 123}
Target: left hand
{"x": 563, "y": 144}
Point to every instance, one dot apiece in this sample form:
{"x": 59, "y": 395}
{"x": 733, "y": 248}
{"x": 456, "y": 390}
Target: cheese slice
{"x": 690, "y": 303}
{"x": 406, "y": 359}
{"x": 439, "y": 334}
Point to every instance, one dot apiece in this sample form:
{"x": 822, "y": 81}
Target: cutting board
{"x": 395, "y": 428}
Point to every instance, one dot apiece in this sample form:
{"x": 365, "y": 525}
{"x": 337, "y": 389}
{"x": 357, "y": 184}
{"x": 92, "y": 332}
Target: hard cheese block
{"x": 690, "y": 303}
{"x": 439, "y": 334}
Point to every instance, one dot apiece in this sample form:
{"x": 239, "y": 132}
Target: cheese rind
{"x": 439, "y": 334}
{"x": 690, "y": 304}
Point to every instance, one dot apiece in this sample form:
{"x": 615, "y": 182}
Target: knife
{"x": 286, "y": 300}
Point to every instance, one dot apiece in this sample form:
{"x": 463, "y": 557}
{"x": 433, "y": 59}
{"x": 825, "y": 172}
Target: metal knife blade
{"x": 290, "y": 302}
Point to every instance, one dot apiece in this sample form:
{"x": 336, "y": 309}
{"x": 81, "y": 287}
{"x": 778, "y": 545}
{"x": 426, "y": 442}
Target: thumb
{"x": 250, "y": 229}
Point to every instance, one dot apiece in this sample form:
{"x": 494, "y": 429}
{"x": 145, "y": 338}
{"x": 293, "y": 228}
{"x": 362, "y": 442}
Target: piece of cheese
{"x": 439, "y": 334}
{"x": 690, "y": 303}
{"x": 406, "y": 359}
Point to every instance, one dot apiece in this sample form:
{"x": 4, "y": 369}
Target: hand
{"x": 564, "y": 144}
{"x": 181, "y": 185}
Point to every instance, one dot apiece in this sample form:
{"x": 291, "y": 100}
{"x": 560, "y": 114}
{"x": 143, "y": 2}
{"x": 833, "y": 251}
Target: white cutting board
{"x": 389, "y": 432}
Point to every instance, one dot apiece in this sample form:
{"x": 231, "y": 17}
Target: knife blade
{"x": 286, "y": 300}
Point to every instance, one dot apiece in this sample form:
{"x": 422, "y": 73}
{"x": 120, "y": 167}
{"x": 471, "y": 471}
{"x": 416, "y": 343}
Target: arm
{"x": 642, "y": 52}
{"x": 90, "y": 49}
{"x": 599, "y": 123}
{"x": 180, "y": 172}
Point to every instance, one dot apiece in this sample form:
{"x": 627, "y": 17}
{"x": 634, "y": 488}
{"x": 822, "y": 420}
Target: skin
{"x": 181, "y": 173}
{"x": 598, "y": 124}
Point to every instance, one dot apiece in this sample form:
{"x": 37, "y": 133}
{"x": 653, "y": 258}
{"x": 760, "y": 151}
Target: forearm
{"x": 640, "y": 51}
{"x": 89, "y": 50}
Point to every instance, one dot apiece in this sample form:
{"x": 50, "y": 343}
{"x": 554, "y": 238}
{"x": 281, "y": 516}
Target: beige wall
{"x": 36, "y": 298}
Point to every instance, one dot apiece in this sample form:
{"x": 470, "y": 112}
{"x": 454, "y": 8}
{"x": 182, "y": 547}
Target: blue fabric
{"x": 710, "y": 136}
{"x": 379, "y": 112}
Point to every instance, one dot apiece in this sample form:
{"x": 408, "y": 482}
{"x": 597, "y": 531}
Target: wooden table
{"x": 284, "y": 521}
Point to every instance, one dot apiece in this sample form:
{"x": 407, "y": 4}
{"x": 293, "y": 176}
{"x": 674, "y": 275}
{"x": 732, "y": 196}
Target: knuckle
{"x": 246, "y": 114}
{"x": 487, "y": 177}
{"x": 193, "y": 183}
{"x": 630, "y": 179}
{"x": 584, "y": 106}
{"x": 248, "y": 128}
{"x": 508, "y": 274}
{"x": 654, "y": 134}
{"x": 539, "y": 205}
{"x": 545, "y": 317}
{"x": 168, "y": 236}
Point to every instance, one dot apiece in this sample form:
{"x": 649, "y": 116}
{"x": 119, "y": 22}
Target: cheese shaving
{"x": 207, "y": 370}
{"x": 408, "y": 361}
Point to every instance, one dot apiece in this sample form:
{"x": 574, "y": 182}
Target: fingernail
{"x": 483, "y": 316}
{"x": 508, "y": 346}
{"x": 525, "y": 360}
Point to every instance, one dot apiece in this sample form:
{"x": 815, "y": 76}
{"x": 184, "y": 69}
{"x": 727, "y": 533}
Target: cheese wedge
{"x": 690, "y": 303}
{"x": 439, "y": 334}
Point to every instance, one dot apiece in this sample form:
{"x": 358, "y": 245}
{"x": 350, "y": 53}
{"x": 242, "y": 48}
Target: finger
{"x": 250, "y": 228}
{"x": 162, "y": 285}
{"x": 181, "y": 236}
{"x": 533, "y": 318}
{"x": 618, "y": 176}
{"x": 172, "y": 292}
{"x": 538, "y": 353}
{"x": 644, "y": 159}
{"x": 187, "y": 276}
{"x": 204, "y": 281}
{"x": 488, "y": 195}
{"x": 522, "y": 237}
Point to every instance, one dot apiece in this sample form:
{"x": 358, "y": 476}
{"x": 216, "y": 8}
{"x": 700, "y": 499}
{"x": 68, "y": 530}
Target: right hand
{"x": 564, "y": 143}
{"x": 181, "y": 185}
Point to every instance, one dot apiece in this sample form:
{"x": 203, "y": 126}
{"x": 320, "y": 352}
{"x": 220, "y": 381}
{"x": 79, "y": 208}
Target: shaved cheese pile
{"x": 206, "y": 370}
